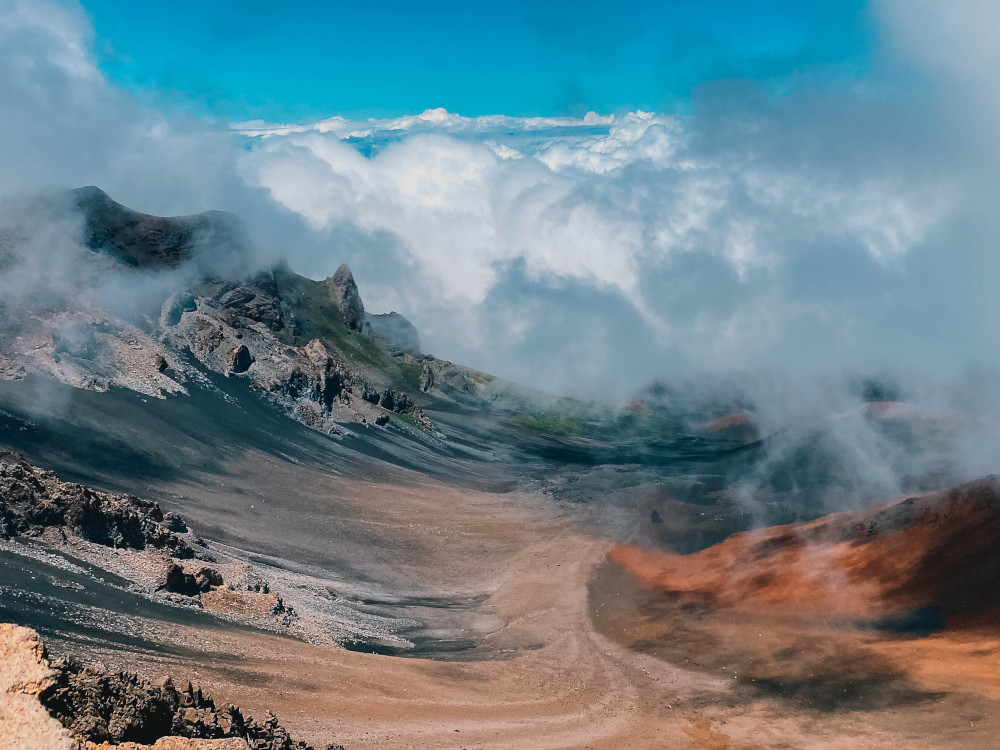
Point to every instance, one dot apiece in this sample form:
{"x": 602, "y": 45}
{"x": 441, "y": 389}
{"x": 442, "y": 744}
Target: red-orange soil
{"x": 881, "y": 609}
{"x": 734, "y": 426}
{"x": 939, "y": 550}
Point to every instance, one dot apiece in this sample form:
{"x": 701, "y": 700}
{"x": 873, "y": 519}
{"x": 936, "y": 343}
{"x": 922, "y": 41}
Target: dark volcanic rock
{"x": 236, "y": 296}
{"x": 134, "y": 238}
{"x": 241, "y": 305}
{"x": 344, "y": 292}
{"x": 177, "y": 581}
{"x": 265, "y": 306}
{"x": 393, "y": 401}
{"x": 427, "y": 379}
{"x": 119, "y": 707}
{"x": 174, "y": 522}
{"x": 240, "y": 359}
{"x": 32, "y": 500}
{"x": 317, "y": 379}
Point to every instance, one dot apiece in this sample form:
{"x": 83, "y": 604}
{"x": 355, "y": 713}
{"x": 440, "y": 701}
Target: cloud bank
{"x": 755, "y": 233}
{"x": 837, "y": 228}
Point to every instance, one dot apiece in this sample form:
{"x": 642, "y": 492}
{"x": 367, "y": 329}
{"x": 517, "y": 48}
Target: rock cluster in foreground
{"x": 62, "y": 705}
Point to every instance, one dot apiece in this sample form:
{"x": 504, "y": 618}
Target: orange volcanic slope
{"x": 939, "y": 550}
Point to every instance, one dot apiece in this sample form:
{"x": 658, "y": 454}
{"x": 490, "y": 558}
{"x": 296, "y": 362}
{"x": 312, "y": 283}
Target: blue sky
{"x": 243, "y": 59}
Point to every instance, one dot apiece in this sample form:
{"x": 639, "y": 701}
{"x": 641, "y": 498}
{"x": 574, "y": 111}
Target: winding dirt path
{"x": 560, "y": 682}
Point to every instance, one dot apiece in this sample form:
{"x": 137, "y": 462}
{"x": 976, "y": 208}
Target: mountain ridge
{"x": 308, "y": 345}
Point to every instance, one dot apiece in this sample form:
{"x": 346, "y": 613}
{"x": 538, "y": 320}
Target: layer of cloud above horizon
{"x": 831, "y": 229}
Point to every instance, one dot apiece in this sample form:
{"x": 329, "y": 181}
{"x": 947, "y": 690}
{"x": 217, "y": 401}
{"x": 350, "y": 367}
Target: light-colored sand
{"x": 563, "y": 684}
{"x": 555, "y": 680}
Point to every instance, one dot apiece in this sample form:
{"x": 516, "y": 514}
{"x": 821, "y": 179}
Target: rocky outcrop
{"x": 63, "y": 705}
{"x": 247, "y": 328}
{"x": 87, "y": 348}
{"x": 177, "y": 580}
{"x": 345, "y": 294}
{"x": 395, "y": 330}
{"x": 450, "y": 379}
{"x": 306, "y": 345}
{"x": 428, "y": 378}
{"x": 174, "y": 522}
{"x": 142, "y": 241}
{"x": 390, "y": 400}
{"x": 24, "y": 673}
{"x": 245, "y": 305}
{"x": 118, "y": 707}
{"x": 34, "y": 503}
{"x": 32, "y": 500}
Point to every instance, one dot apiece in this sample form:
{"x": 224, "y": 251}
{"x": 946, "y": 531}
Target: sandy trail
{"x": 556, "y": 681}
{"x": 569, "y": 688}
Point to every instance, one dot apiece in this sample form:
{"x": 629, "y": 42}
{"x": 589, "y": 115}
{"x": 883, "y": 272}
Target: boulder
{"x": 177, "y": 580}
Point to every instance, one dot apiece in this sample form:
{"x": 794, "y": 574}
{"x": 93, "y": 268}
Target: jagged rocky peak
{"x": 144, "y": 241}
{"x": 392, "y": 328}
{"x": 397, "y": 331}
{"x": 344, "y": 292}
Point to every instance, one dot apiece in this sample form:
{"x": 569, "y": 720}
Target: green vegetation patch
{"x": 553, "y": 424}
{"x": 317, "y": 316}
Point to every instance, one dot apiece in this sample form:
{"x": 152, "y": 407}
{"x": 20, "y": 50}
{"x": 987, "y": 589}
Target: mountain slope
{"x": 264, "y": 488}
{"x": 304, "y": 344}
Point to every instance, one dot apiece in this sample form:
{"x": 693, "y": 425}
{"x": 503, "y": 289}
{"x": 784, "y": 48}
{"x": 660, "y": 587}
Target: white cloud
{"x": 818, "y": 230}
{"x": 437, "y": 119}
{"x": 603, "y": 202}
{"x": 463, "y": 209}
{"x": 39, "y": 34}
